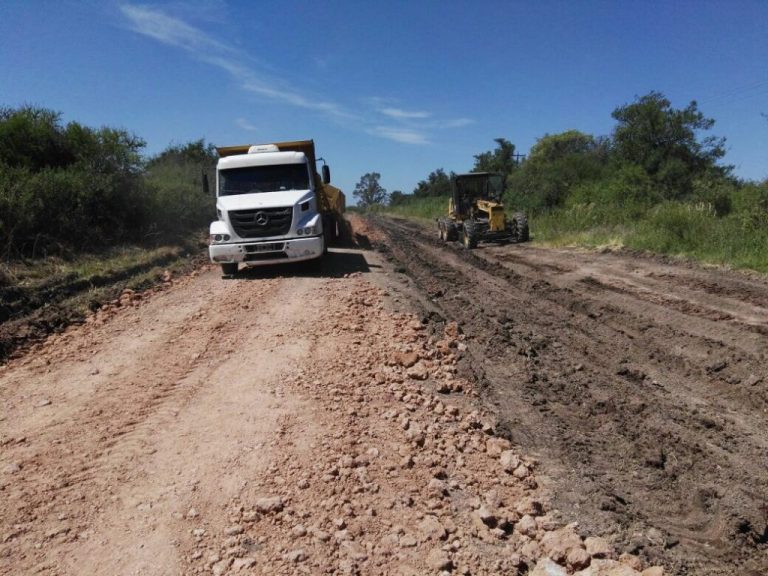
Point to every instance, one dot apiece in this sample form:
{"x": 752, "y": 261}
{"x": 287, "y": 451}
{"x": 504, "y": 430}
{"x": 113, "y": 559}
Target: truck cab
{"x": 272, "y": 206}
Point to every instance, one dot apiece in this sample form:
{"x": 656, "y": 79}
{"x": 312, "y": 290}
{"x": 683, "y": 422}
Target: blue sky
{"x": 400, "y": 88}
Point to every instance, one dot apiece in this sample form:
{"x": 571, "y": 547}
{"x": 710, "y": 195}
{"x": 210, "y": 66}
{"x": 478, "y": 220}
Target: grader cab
{"x": 476, "y": 212}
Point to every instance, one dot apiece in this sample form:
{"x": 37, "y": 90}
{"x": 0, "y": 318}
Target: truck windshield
{"x": 254, "y": 179}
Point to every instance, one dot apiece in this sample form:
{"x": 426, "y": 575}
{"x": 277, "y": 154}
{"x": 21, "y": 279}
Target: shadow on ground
{"x": 336, "y": 264}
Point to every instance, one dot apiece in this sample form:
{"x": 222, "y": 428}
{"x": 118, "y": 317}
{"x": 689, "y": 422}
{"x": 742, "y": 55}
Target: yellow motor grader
{"x": 475, "y": 212}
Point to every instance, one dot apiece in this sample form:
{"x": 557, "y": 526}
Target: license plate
{"x": 271, "y": 247}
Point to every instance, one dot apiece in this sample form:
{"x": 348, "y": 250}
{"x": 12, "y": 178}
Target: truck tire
{"x": 329, "y": 228}
{"x": 451, "y": 233}
{"x": 469, "y": 238}
{"x": 441, "y": 231}
{"x": 229, "y": 269}
{"x": 520, "y": 224}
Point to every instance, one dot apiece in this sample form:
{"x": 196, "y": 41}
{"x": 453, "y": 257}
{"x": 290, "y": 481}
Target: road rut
{"x": 640, "y": 381}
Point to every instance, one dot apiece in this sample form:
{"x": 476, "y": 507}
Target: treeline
{"x": 656, "y": 153}
{"x": 656, "y": 182}
{"x": 71, "y": 187}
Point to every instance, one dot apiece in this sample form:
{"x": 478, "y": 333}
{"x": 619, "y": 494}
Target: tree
{"x": 556, "y": 164}
{"x": 195, "y": 152}
{"x": 33, "y": 138}
{"x": 502, "y": 160}
{"x": 368, "y": 191}
{"x": 553, "y": 147}
{"x": 665, "y": 142}
{"x": 397, "y": 198}
{"x": 438, "y": 183}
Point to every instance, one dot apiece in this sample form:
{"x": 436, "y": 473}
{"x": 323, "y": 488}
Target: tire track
{"x": 648, "y": 427}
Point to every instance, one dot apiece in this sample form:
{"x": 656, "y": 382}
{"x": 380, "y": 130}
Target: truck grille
{"x": 261, "y": 222}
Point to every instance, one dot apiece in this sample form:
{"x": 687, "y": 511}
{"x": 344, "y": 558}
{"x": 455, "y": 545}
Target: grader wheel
{"x": 520, "y": 227}
{"x": 469, "y": 236}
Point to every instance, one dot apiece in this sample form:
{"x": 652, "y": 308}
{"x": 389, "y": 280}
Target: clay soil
{"x": 641, "y": 383}
{"x": 405, "y": 408}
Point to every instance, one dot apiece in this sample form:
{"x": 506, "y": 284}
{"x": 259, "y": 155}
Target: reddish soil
{"x": 417, "y": 409}
{"x": 640, "y": 382}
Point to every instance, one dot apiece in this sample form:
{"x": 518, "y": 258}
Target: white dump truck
{"x": 273, "y": 206}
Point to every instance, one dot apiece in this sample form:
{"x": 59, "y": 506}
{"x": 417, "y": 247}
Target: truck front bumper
{"x": 270, "y": 252}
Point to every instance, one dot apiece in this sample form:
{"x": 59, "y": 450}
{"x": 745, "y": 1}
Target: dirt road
{"x": 642, "y": 384}
{"x": 357, "y": 419}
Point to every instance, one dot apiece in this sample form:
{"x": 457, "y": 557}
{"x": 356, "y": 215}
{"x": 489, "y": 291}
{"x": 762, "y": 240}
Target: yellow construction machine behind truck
{"x": 475, "y": 212}
{"x": 273, "y": 206}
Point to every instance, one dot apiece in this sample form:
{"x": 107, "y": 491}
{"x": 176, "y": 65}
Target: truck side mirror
{"x": 206, "y": 185}
{"x": 326, "y": 174}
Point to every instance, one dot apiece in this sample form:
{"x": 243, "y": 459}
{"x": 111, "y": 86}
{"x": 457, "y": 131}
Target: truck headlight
{"x": 218, "y": 238}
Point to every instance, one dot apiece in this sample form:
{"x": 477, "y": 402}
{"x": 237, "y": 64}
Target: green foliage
{"x": 369, "y": 192}
{"x": 396, "y": 198}
{"x": 665, "y": 142}
{"x": 77, "y": 188}
{"x": 33, "y": 138}
{"x": 174, "y": 178}
{"x": 626, "y": 186}
{"x": 438, "y": 183}
{"x": 196, "y": 153}
{"x": 66, "y": 186}
{"x": 425, "y": 208}
{"x": 695, "y": 230}
{"x": 502, "y": 160}
{"x": 691, "y": 229}
{"x": 751, "y": 197}
{"x": 556, "y": 166}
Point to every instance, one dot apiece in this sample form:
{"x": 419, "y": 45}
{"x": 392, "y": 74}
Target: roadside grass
{"x": 45, "y": 295}
{"x": 34, "y": 274}
{"x": 421, "y": 208}
{"x": 679, "y": 229}
{"x": 738, "y": 240}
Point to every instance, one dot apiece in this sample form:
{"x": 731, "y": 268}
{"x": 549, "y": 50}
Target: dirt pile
{"x": 408, "y": 477}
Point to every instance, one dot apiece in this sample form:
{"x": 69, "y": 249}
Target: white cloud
{"x": 168, "y": 30}
{"x": 455, "y": 123}
{"x": 411, "y": 126}
{"x": 400, "y": 114}
{"x": 175, "y": 32}
{"x": 398, "y": 134}
{"x": 245, "y": 125}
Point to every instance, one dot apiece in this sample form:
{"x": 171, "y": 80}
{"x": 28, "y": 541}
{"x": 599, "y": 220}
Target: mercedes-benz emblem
{"x": 260, "y": 219}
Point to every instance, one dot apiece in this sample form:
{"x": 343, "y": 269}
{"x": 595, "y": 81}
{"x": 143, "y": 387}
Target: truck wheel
{"x": 229, "y": 269}
{"x": 329, "y": 228}
{"x": 520, "y": 224}
{"x": 441, "y": 231}
{"x": 469, "y": 238}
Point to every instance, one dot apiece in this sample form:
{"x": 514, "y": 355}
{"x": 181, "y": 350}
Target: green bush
{"x": 76, "y": 188}
{"x": 628, "y": 186}
{"x": 177, "y": 202}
